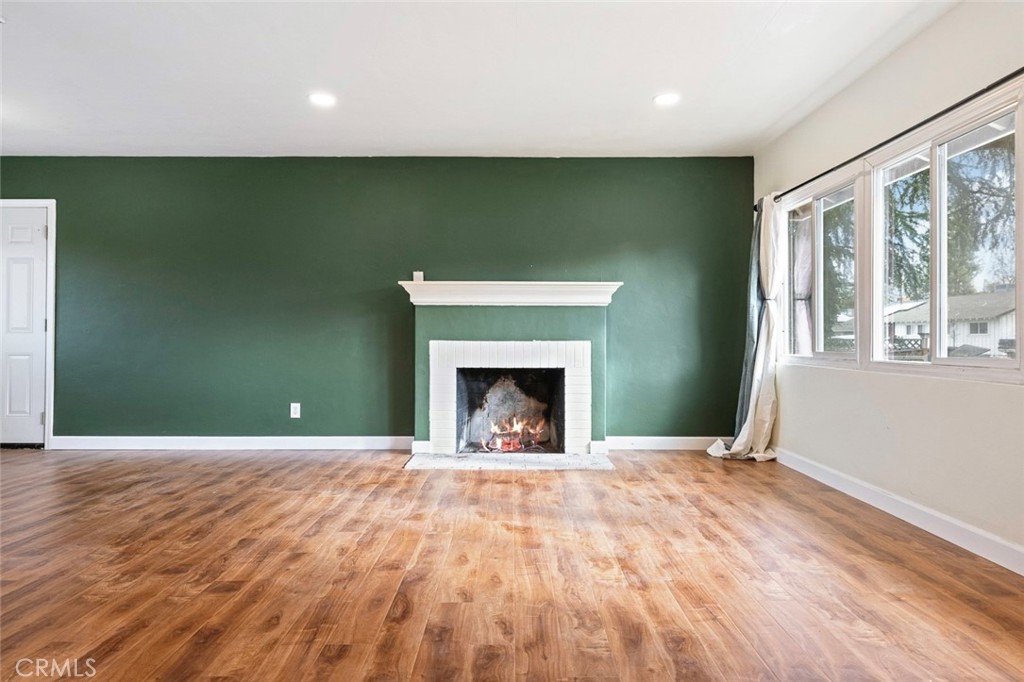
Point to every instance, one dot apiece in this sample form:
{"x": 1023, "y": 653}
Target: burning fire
{"x": 514, "y": 435}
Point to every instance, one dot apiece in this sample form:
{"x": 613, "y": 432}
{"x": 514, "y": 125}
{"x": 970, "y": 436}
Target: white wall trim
{"x": 511, "y": 293}
{"x": 51, "y": 301}
{"x": 961, "y": 534}
{"x": 230, "y": 443}
{"x": 662, "y": 442}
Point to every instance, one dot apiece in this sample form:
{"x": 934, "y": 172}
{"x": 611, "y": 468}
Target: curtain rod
{"x": 988, "y": 88}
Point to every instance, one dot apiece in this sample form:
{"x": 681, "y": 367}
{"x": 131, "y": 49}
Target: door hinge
{"x": 46, "y": 325}
{"x": 46, "y": 231}
{"x": 42, "y": 417}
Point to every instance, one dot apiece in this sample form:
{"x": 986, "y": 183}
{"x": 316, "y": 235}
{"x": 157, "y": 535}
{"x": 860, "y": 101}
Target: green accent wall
{"x": 200, "y": 296}
{"x": 486, "y": 323}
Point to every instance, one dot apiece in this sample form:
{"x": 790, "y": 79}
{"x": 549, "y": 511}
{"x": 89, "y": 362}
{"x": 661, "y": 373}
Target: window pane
{"x": 980, "y": 231}
{"x": 801, "y": 281}
{"x": 838, "y": 223}
{"x": 906, "y": 239}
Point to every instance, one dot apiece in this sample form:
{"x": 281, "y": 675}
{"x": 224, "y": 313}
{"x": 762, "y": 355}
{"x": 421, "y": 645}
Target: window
{"x": 936, "y": 211}
{"x": 906, "y": 247}
{"x": 822, "y": 235}
{"x": 836, "y": 239}
{"x": 800, "y": 280}
{"x": 975, "y": 232}
{"x": 977, "y": 229}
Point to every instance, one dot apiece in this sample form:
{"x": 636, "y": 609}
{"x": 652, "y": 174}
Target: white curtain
{"x": 758, "y": 390}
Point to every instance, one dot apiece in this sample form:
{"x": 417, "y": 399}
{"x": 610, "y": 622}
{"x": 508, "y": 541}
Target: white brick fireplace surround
{"x": 446, "y": 357}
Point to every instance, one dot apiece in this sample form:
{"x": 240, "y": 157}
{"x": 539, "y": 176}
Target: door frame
{"x": 51, "y": 308}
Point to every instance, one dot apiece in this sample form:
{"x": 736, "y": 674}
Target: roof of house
{"x": 843, "y": 323}
{"x": 966, "y": 308}
{"x": 902, "y": 305}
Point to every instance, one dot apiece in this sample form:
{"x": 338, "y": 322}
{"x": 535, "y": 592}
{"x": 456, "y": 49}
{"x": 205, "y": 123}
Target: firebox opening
{"x": 510, "y": 410}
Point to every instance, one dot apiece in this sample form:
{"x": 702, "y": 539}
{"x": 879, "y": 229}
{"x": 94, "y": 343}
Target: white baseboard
{"x": 661, "y": 442}
{"x": 230, "y": 442}
{"x": 599, "y": 447}
{"x": 992, "y": 547}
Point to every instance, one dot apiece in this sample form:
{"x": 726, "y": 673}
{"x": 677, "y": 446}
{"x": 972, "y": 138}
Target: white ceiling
{"x": 421, "y": 79}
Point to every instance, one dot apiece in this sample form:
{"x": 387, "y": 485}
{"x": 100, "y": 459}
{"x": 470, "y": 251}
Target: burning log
{"x": 514, "y": 435}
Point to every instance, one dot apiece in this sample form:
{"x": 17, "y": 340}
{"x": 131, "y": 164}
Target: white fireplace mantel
{"x": 511, "y": 293}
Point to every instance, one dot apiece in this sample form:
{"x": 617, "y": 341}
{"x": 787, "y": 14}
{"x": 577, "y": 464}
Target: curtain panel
{"x": 757, "y": 405}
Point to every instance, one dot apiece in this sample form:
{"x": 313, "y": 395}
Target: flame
{"x": 513, "y": 435}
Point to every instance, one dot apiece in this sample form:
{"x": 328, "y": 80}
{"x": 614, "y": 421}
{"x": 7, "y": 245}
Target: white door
{"x": 23, "y": 338}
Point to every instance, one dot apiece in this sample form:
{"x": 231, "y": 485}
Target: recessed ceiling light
{"x": 667, "y": 99}
{"x": 324, "y": 100}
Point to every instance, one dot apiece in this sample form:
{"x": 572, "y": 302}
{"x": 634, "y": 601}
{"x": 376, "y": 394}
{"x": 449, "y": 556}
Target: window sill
{"x": 998, "y": 375}
{"x": 995, "y": 375}
{"x": 845, "y": 362}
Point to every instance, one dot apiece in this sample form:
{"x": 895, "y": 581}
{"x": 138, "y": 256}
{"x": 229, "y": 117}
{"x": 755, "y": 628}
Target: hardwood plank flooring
{"x": 234, "y": 566}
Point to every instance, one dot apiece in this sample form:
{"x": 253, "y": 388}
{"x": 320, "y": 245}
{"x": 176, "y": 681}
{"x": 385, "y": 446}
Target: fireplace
{"x": 541, "y": 345}
{"x": 537, "y": 396}
{"x": 509, "y": 409}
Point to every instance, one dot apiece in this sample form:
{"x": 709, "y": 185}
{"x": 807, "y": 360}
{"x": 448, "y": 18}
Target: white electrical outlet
{"x": 296, "y": 412}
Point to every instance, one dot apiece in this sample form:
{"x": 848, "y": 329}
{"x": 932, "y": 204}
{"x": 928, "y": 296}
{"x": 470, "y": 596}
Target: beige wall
{"x": 964, "y": 50}
{"x": 956, "y": 447}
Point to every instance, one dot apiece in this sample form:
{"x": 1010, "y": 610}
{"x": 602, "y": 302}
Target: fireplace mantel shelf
{"x": 511, "y": 293}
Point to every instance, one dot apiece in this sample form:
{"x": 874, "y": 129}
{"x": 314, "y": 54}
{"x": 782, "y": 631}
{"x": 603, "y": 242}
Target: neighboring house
{"x": 979, "y": 325}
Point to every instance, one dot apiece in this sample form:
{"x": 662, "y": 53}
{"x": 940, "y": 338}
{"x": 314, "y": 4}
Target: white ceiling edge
{"x": 900, "y": 34}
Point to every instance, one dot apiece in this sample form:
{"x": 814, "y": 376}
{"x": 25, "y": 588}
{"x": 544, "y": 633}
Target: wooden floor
{"x": 343, "y": 566}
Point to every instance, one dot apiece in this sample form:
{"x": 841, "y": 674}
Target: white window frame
{"x": 848, "y": 175}
{"x": 938, "y": 252}
{"x": 869, "y": 263}
{"x": 876, "y": 237}
{"x": 786, "y": 306}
